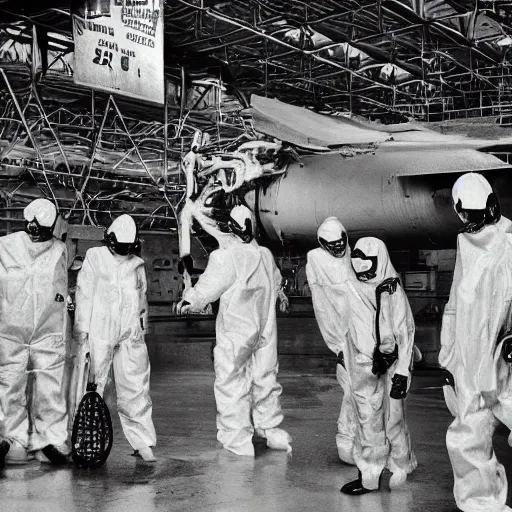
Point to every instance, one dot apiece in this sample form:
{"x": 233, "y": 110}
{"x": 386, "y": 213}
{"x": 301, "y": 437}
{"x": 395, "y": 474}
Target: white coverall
{"x": 382, "y": 438}
{"x": 33, "y": 316}
{"x": 327, "y": 279}
{"x": 478, "y": 311}
{"x": 246, "y": 279}
{"x": 112, "y": 309}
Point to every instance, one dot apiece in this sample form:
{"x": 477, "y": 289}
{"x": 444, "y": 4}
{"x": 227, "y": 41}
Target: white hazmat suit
{"x": 477, "y": 314}
{"x": 382, "y": 438}
{"x": 33, "y": 316}
{"x": 246, "y": 279}
{"x": 327, "y": 279}
{"x": 112, "y": 315}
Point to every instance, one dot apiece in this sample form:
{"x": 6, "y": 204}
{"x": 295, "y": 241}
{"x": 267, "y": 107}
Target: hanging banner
{"x": 119, "y": 47}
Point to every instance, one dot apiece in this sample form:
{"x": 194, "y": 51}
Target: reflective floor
{"x": 194, "y": 474}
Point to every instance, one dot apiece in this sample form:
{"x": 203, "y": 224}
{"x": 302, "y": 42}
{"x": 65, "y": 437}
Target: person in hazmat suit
{"x": 111, "y": 318}
{"x": 328, "y": 271}
{"x": 246, "y": 279}
{"x": 379, "y": 358}
{"x": 476, "y": 348}
{"x": 33, "y": 315}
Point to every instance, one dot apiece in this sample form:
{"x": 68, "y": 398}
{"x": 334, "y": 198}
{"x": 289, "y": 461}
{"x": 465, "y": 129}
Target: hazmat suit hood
{"x": 327, "y": 269}
{"x": 472, "y": 189}
{"x": 475, "y": 202}
{"x": 122, "y": 237}
{"x": 40, "y": 216}
{"x": 241, "y": 214}
{"x": 370, "y": 260}
{"x": 240, "y": 223}
{"x": 332, "y": 236}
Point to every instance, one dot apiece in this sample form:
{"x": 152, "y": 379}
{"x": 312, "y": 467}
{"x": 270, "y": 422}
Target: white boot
{"x": 237, "y": 442}
{"x": 277, "y": 438}
{"x": 146, "y": 454}
{"x": 17, "y": 454}
{"x": 397, "y": 479}
{"x": 247, "y": 450}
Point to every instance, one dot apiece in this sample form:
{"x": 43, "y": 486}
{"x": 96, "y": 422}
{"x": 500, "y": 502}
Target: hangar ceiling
{"x": 387, "y": 60}
{"x": 369, "y": 57}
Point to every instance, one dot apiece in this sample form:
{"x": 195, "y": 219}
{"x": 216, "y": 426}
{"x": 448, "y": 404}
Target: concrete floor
{"x": 194, "y": 474}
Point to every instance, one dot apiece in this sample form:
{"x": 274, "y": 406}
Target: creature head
{"x": 475, "y": 202}
{"x": 40, "y": 217}
{"x": 332, "y": 237}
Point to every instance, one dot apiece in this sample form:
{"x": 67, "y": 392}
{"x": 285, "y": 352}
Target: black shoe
{"x": 4, "y": 449}
{"x": 54, "y": 456}
{"x": 355, "y": 488}
{"x": 350, "y": 485}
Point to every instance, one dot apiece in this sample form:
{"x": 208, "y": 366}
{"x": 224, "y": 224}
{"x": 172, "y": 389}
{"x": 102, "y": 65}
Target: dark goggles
{"x": 364, "y": 266}
{"x": 245, "y": 233}
{"x": 337, "y": 248}
{"x": 122, "y": 249}
{"x": 38, "y": 233}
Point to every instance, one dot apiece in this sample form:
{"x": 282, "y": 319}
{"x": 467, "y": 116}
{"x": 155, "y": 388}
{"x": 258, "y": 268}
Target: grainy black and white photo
{"x": 255, "y": 255}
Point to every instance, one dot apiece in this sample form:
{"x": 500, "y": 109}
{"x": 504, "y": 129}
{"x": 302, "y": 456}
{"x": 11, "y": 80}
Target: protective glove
{"x": 182, "y": 308}
{"x": 382, "y": 362}
{"x": 449, "y": 380}
{"x": 284, "y": 304}
{"x": 398, "y": 387}
{"x": 387, "y": 286}
{"x": 341, "y": 359}
{"x": 507, "y": 348}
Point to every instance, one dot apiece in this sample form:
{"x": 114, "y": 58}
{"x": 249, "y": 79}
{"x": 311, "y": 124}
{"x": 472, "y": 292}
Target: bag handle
{"x": 91, "y": 381}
